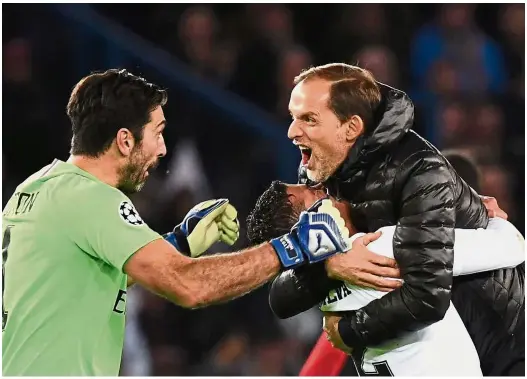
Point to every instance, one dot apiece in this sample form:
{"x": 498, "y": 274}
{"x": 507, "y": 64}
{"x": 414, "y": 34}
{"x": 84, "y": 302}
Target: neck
{"x": 344, "y": 208}
{"x": 101, "y": 167}
{"x": 345, "y": 211}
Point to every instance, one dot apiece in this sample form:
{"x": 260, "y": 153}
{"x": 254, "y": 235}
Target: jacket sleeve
{"x": 424, "y": 250}
{"x": 297, "y": 290}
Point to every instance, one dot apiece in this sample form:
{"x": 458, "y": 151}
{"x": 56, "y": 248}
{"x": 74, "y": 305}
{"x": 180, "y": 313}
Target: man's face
{"x": 316, "y": 130}
{"x": 302, "y": 197}
{"x": 145, "y": 155}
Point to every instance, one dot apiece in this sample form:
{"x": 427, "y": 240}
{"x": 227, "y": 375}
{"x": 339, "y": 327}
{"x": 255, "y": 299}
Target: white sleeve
{"x": 382, "y": 245}
{"x": 501, "y": 245}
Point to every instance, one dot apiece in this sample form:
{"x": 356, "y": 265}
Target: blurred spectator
{"x": 272, "y": 22}
{"x": 17, "y": 68}
{"x": 198, "y": 43}
{"x": 465, "y": 166}
{"x": 486, "y": 130}
{"x": 454, "y": 123}
{"x": 269, "y": 32}
{"x": 512, "y": 26}
{"x": 357, "y": 26}
{"x": 28, "y": 118}
{"x": 497, "y": 182}
{"x": 381, "y": 61}
{"x": 455, "y": 38}
{"x": 292, "y": 61}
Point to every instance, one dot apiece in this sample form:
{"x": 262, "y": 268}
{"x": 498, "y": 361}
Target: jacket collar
{"x": 395, "y": 117}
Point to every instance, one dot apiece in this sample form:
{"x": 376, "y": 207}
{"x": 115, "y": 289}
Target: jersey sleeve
{"x": 107, "y": 226}
{"x": 382, "y": 245}
{"x": 499, "y": 246}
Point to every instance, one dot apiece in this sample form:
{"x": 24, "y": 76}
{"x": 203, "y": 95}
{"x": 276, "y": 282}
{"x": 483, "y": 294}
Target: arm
{"x": 296, "y": 291}
{"x": 204, "y": 281}
{"x": 423, "y": 248}
{"x": 499, "y": 246}
{"x": 194, "y": 283}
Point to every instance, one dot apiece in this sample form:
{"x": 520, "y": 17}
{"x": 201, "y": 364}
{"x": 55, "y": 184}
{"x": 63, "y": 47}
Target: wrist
{"x": 333, "y": 267}
{"x": 178, "y": 239}
{"x": 288, "y": 252}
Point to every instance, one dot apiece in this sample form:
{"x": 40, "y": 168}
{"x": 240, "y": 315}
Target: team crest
{"x": 129, "y": 214}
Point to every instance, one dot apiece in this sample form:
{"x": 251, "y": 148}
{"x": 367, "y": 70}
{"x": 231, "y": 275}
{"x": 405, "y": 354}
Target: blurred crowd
{"x": 462, "y": 64}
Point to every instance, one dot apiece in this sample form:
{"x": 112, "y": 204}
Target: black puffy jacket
{"x": 392, "y": 176}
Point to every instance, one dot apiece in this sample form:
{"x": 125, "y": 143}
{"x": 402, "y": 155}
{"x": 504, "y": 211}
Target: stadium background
{"x": 229, "y": 71}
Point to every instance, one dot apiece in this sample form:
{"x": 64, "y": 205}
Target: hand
{"x": 205, "y": 224}
{"x": 331, "y": 327}
{"x": 361, "y": 267}
{"x": 316, "y": 236}
{"x": 493, "y": 209}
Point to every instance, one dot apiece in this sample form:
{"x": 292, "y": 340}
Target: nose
{"x": 294, "y": 130}
{"x": 162, "y": 148}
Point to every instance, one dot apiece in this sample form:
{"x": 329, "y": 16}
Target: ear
{"x": 354, "y": 128}
{"x": 125, "y": 141}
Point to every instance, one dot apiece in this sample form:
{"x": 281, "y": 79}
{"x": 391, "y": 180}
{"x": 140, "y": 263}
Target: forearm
{"x": 296, "y": 291}
{"x": 499, "y": 246}
{"x": 223, "y": 277}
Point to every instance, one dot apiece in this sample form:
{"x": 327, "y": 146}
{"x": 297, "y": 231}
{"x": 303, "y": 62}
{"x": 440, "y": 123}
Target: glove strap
{"x": 177, "y": 239}
{"x": 288, "y": 251}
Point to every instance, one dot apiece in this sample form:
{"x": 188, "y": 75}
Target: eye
{"x": 311, "y": 120}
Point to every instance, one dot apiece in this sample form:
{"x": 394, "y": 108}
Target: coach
{"x": 355, "y": 136}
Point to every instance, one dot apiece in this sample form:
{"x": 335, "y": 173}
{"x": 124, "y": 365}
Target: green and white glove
{"x": 205, "y": 224}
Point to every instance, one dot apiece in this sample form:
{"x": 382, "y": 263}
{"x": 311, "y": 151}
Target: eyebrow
{"x": 306, "y": 114}
{"x": 161, "y": 124}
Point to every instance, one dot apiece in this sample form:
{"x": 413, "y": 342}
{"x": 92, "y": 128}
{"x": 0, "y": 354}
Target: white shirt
{"x": 445, "y": 347}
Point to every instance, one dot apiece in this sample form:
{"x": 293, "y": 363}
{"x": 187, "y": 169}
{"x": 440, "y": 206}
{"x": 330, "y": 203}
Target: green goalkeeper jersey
{"x": 66, "y": 237}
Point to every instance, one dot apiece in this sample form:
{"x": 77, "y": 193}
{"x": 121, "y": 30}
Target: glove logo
{"x": 319, "y": 243}
{"x": 129, "y": 214}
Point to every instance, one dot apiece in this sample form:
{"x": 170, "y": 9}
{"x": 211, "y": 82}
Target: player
{"x": 72, "y": 239}
{"x": 415, "y": 353}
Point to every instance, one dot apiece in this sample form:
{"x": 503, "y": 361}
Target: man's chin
{"x": 130, "y": 189}
{"x": 316, "y": 176}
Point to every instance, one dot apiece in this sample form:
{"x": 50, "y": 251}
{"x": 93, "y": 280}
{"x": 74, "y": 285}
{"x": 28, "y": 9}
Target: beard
{"x": 132, "y": 176}
{"x": 327, "y": 162}
{"x": 323, "y": 170}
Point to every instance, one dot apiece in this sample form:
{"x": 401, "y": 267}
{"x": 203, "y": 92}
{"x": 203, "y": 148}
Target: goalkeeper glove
{"x": 319, "y": 233}
{"x": 205, "y": 224}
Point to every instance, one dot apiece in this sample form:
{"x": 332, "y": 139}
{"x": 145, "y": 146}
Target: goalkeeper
{"x": 73, "y": 241}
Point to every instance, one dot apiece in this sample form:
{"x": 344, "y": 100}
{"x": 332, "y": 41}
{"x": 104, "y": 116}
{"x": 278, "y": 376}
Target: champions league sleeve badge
{"x": 129, "y": 214}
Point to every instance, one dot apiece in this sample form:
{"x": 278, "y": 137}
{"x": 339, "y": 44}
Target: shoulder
{"x": 84, "y": 197}
{"x": 416, "y": 153}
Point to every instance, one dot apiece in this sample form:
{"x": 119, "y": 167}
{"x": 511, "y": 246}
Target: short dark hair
{"x": 102, "y": 103}
{"x": 465, "y": 167}
{"x": 354, "y": 90}
{"x": 272, "y": 216}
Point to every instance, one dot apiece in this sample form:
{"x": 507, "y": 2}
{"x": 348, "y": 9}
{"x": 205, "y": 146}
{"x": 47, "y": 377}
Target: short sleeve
{"x": 107, "y": 226}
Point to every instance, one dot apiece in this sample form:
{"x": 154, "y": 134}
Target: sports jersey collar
{"x": 58, "y": 167}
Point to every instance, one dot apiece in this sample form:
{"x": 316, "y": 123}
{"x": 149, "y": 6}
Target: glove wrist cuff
{"x": 178, "y": 239}
{"x": 288, "y": 252}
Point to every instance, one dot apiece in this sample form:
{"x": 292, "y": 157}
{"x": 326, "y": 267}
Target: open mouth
{"x": 151, "y": 168}
{"x": 306, "y": 155}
